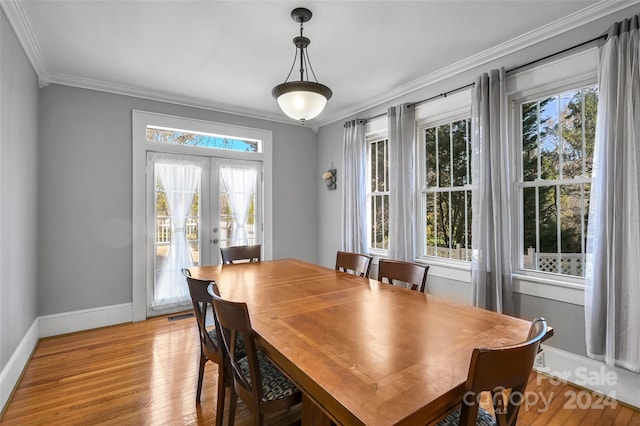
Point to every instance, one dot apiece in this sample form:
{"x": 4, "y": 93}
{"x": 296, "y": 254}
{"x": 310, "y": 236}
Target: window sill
{"x": 453, "y": 270}
{"x": 377, "y": 254}
{"x": 569, "y": 290}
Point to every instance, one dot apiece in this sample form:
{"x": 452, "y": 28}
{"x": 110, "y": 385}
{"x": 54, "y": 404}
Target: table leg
{"x": 312, "y": 415}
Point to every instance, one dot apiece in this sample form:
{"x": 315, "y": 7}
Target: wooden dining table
{"x": 362, "y": 352}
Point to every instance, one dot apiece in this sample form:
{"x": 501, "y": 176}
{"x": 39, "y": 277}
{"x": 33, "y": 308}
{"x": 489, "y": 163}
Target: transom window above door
{"x": 165, "y": 135}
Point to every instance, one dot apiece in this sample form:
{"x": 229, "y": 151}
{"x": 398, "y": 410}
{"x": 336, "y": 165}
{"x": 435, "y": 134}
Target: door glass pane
{"x": 163, "y": 228}
{"x": 193, "y": 228}
{"x": 177, "y": 187}
{"x": 238, "y": 205}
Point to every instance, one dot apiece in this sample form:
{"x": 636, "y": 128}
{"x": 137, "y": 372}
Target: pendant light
{"x": 302, "y": 100}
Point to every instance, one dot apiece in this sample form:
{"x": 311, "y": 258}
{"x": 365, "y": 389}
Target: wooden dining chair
{"x": 257, "y": 381}
{"x": 353, "y": 263}
{"x": 247, "y": 253}
{"x": 210, "y": 347}
{"x": 408, "y": 272}
{"x": 495, "y": 370}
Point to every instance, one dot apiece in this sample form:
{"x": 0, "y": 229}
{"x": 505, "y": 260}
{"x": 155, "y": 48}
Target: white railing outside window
{"x": 163, "y": 230}
{"x": 558, "y": 263}
{"x": 556, "y": 159}
{"x": 446, "y": 189}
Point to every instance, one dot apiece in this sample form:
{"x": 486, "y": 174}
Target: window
{"x": 446, "y": 189}
{"x": 378, "y": 195}
{"x": 157, "y": 134}
{"x": 557, "y": 135}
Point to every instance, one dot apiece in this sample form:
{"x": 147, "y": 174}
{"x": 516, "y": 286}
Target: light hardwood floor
{"x": 145, "y": 374}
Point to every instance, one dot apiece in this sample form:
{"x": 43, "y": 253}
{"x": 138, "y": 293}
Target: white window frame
{"x": 372, "y": 139}
{"x": 560, "y": 75}
{"x": 519, "y": 184}
{"x": 140, "y": 147}
{"x": 375, "y": 130}
{"x": 454, "y": 107}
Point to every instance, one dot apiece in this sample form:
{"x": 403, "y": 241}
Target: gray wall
{"x": 85, "y": 193}
{"x": 568, "y": 319}
{"x": 330, "y": 202}
{"x": 18, "y": 193}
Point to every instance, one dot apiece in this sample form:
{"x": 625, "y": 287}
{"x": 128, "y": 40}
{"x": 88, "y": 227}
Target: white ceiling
{"x": 227, "y": 55}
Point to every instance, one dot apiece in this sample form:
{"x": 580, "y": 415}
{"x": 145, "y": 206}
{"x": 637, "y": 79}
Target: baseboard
{"x": 51, "y": 325}
{"x": 86, "y": 319}
{"x": 12, "y": 371}
{"x": 596, "y": 376}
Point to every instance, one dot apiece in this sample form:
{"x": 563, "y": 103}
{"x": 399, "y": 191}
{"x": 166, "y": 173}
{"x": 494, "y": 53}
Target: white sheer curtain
{"x": 180, "y": 183}
{"x": 402, "y": 151}
{"x": 354, "y": 195}
{"x": 240, "y": 185}
{"x": 491, "y": 280}
{"x": 612, "y": 293}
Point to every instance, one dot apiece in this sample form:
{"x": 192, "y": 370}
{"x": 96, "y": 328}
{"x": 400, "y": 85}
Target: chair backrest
{"x": 412, "y": 273}
{"x": 234, "y": 253}
{"x": 538, "y": 325}
{"x": 234, "y": 321}
{"x": 353, "y": 263}
{"x": 495, "y": 369}
{"x": 202, "y": 306}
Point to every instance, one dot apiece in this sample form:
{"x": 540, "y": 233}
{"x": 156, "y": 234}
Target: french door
{"x": 195, "y": 206}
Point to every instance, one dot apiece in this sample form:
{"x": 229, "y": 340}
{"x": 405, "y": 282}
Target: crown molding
{"x": 172, "y": 98}
{"x": 21, "y": 27}
{"x": 20, "y": 24}
{"x": 589, "y": 14}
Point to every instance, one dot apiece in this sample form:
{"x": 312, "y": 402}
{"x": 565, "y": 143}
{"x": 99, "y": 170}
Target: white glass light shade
{"x": 301, "y": 105}
{"x": 302, "y": 100}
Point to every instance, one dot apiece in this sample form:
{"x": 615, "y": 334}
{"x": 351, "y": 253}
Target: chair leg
{"x": 232, "y": 406}
{"x": 222, "y": 389}
{"x": 203, "y": 361}
{"x": 258, "y": 418}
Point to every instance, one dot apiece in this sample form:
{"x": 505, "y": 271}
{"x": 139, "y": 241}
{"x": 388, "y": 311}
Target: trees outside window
{"x": 557, "y": 142}
{"x": 378, "y": 195}
{"x": 446, "y": 189}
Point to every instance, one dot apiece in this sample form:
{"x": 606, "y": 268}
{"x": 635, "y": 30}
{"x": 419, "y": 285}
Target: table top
{"x": 365, "y": 352}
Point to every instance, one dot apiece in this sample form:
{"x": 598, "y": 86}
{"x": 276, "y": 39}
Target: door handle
{"x": 214, "y": 241}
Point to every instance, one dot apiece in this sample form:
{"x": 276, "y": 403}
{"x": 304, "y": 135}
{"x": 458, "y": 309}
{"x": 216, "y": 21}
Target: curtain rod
{"x": 584, "y": 43}
{"x": 445, "y": 94}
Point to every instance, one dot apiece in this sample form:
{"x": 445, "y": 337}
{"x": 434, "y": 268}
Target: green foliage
{"x": 558, "y": 135}
{"x": 447, "y": 166}
{"x": 564, "y": 127}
